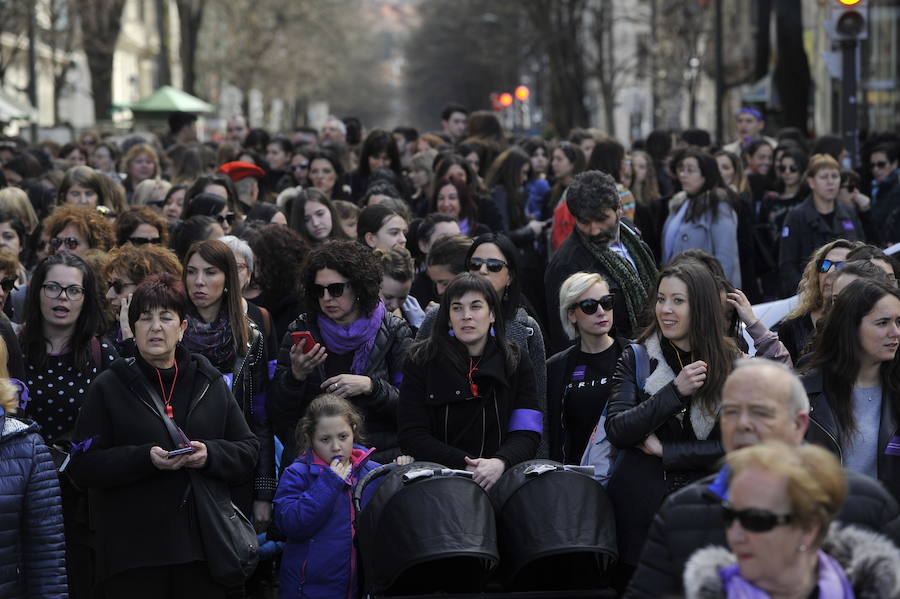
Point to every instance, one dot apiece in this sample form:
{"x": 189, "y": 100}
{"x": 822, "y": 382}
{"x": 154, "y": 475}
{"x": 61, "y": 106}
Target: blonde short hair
{"x": 572, "y": 288}
{"x": 16, "y": 201}
{"x": 816, "y": 485}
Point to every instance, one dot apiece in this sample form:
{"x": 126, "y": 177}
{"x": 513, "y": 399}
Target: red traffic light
{"x": 522, "y": 93}
{"x": 506, "y": 99}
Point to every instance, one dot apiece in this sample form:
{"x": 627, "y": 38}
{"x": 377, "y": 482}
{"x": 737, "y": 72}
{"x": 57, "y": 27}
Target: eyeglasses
{"x": 790, "y": 168}
{"x": 753, "y": 519}
{"x": 301, "y": 166}
{"x": 878, "y": 164}
{"x": 228, "y": 217}
{"x": 55, "y": 291}
{"x": 493, "y": 264}
{"x": 71, "y": 243}
{"x": 144, "y": 240}
{"x": 824, "y": 266}
{"x": 119, "y": 285}
{"x": 8, "y": 284}
{"x": 334, "y": 289}
{"x": 589, "y": 306}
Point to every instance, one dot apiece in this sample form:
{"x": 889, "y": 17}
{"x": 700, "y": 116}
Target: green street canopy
{"x": 168, "y": 99}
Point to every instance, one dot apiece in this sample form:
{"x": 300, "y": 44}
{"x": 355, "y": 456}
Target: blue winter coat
{"x": 32, "y": 543}
{"x": 314, "y": 510}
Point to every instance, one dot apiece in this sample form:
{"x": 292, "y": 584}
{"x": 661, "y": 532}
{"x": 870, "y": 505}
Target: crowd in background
{"x": 297, "y": 307}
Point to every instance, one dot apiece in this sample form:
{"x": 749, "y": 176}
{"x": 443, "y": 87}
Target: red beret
{"x": 241, "y": 170}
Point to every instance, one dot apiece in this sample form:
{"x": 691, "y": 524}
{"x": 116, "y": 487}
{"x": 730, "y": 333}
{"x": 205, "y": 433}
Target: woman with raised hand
{"x": 346, "y": 343}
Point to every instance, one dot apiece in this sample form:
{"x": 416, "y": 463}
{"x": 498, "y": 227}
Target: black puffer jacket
{"x": 691, "y": 519}
{"x": 288, "y": 397}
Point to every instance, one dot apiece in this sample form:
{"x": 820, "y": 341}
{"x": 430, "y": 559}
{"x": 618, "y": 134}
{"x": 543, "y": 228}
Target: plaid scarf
{"x": 636, "y": 286}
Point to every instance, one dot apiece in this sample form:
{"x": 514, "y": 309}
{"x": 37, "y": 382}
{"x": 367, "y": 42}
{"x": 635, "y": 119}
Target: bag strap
{"x": 641, "y": 363}
{"x": 176, "y": 437}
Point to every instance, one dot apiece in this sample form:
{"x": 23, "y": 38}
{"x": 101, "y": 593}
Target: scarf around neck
{"x": 358, "y": 336}
{"x": 832, "y": 582}
{"x": 212, "y": 340}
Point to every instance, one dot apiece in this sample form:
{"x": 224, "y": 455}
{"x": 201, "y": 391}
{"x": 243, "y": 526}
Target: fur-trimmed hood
{"x": 870, "y": 561}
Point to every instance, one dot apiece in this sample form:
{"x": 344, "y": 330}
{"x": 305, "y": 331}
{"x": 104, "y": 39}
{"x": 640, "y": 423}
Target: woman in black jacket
{"x": 853, "y": 381}
{"x": 468, "y": 399}
{"x": 142, "y": 500}
{"x": 356, "y": 351}
{"x": 579, "y": 378}
{"x": 664, "y": 401}
{"x": 219, "y": 329}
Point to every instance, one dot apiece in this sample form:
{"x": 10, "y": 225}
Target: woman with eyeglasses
{"x": 814, "y": 293}
{"x": 346, "y": 343}
{"x": 468, "y": 398}
{"x": 126, "y": 267}
{"x": 852, "y": 379}
{"x": 63, "y": 356}
{"x": 579, "y": 378}
{"x": 299, "y": 167}
{"x": 219, "y": 329}
{"x": 139, "y": 225}
{"x": 778, "y": 518}
{"x": 75, "y": 229}
{"x": 820, "y": 218}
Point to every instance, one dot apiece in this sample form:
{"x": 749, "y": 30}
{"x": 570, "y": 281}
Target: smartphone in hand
{"x": 177, "y": 452}
{"x": 307, "y": 340}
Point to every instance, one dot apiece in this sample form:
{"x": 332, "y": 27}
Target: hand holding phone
{"x": 177, "y": 452}
{"x": 306, "y": 339}
{"x": 306, "y": 355}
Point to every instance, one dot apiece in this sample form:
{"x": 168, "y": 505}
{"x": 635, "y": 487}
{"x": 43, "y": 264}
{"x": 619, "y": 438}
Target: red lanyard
{"x": 168, "y": 399}
{"x": 473, "y": 368}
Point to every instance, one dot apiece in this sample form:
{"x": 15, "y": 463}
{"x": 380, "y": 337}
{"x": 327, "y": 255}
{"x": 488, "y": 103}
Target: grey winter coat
{"x": 870, "y": 561}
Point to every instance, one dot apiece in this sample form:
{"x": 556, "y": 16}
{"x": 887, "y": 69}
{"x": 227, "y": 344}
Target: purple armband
{"x": 23, "y": 393}
{"x": 526, "y": 420}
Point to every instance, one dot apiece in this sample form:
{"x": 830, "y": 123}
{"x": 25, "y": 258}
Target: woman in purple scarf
{"x": 356, "y": 350}
{"x": 777, "y": 514}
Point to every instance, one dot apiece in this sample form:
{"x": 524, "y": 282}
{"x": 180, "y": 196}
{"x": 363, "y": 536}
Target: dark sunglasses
{"x": 70, "y": 242}
{"x": 144, "y": 240}
{"x": 878, "y": 164}
{"x": 334, "y": 290}
{"x": 790, "y": 168}
{"x": 824, "y": 266}
{"x": 301, "y": 166}
{"x": 753, "y": 519}
{"x": 228, "y": 217}
{"x": 493, "y": 264}
{"x": 8, "y": 284}
{"x": 589, "y": 306}
{"x": 119, "y": 286}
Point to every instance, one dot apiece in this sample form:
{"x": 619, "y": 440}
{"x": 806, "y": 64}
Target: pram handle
{"x": 369, "y": 477}
{"x": 425, "y": 472}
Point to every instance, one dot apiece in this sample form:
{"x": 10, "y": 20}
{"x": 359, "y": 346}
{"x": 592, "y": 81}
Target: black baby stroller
{"x": 556, "y": 528}
{"x": 426, "y": 529}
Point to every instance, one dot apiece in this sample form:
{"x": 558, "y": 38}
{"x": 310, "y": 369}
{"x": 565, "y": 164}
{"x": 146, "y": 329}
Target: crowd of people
{"x": 260, "y": 321}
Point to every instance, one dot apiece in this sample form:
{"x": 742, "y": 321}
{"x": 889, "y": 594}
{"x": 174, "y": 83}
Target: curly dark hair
{"x": 352, "y": 260}
{"x": 136, "y": 216}
{"x": 279, "y": 253}
{"x": 590, "y": 194}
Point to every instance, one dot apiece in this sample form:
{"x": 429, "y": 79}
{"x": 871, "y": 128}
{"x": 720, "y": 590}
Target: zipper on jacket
{"x": 196, "y": 403}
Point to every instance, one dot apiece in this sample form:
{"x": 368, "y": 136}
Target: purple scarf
{"x": 833, "y": 583}
{"x": 358, "y": 337}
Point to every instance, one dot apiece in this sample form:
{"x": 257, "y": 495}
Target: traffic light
{"x": 848, "y": 20}
{"x": 522, "y": 92}
{"x": 506, "y": 99}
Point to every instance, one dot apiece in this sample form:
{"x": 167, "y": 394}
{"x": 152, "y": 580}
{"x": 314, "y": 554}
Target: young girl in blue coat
{"x": 313, "y": 503}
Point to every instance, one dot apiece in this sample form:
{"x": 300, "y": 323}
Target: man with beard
{"x": 603, "y": 243}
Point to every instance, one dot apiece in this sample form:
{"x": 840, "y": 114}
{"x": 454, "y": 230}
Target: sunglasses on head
{"x": 753, "y": 519}
{"x": 334, "y": 289}
{"x": 789, "y": 168}
{"x": 589, "y": 306}
{"x": 71, "y": 243}
{"x": 878, "y": 164}
{"x": 119, "y": 285}
{"x": 824, "y": 266}
{"x": 8, "y": 284}
{"x": 493, "y": 264}
{"x": 144, "y": 240}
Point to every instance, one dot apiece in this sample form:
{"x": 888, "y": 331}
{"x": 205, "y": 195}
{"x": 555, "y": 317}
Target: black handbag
{"x": 229, "y": 539}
